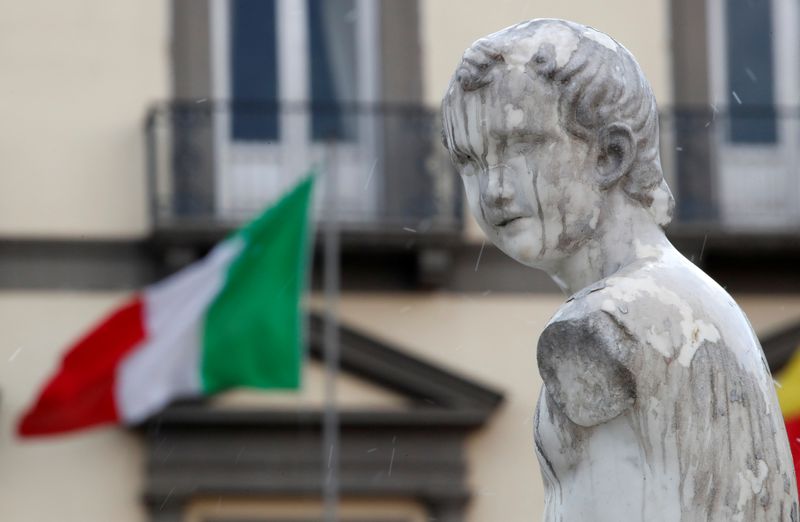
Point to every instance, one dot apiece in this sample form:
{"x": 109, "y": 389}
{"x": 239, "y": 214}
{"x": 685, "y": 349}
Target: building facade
{"x": 136, "y": 134}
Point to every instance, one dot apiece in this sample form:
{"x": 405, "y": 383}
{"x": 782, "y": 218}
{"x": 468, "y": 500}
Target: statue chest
{"x": 565, "y": 450}
{"x": 601, "y": 473}
{"x": 679, "y": 454}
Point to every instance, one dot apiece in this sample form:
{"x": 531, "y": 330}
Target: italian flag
{"x": 231, "y": 319}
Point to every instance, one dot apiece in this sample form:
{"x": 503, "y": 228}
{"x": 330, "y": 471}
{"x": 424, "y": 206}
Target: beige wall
{"x": 450, "y": 26}
{"x": 77, "y": 78}
{"x": 86, "y": 477}
{"x": 97, "y": 475}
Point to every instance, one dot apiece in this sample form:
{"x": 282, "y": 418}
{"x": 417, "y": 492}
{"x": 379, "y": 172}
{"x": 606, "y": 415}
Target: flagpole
{"x": 330, "y": 425}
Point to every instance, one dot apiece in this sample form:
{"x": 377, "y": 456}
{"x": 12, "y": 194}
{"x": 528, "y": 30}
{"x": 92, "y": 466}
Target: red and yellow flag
{"x": 788, "y": 390}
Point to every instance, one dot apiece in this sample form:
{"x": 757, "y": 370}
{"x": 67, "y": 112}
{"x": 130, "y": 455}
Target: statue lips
{"x": 504, "y": 215}
{"x": 508, "y": 221}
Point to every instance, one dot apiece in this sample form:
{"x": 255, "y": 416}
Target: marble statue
{"x": 657, "y": 403}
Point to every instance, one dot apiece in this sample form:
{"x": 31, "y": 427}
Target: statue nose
{"x": 499, "y": 190}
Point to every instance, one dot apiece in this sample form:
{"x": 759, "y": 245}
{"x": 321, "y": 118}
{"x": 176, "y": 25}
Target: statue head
{"x": 553, "y": 127}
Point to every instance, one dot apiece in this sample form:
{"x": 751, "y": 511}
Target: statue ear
{"x": 616, "y": 153}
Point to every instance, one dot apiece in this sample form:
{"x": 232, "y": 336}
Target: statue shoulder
{"x": 584, "y": 357}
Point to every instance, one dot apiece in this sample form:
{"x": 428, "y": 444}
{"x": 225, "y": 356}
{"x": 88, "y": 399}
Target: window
{"x": 295, "y": 72}
{"x": 332, "y": 62}
{"x": 332, "y": 59}
{"x": 750, "y": 71}
{"x": 254, "y": 70}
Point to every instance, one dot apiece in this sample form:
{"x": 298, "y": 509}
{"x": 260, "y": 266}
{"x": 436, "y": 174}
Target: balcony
{"x": 214, "y": 165}
{"x": 399, "y": 206}
{"x": 734, "y": 172}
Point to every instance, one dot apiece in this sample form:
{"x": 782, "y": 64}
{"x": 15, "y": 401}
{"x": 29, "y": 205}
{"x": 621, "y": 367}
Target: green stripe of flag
{"x": 253, "y": 331}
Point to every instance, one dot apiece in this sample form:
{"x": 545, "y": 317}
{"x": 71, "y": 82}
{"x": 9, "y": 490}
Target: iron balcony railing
{"x": 734, "y": 169}
{"x": 213, "y": 165}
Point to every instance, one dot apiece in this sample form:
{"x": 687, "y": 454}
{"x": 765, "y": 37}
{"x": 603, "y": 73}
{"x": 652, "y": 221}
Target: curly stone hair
{"x": 599, "y": 84}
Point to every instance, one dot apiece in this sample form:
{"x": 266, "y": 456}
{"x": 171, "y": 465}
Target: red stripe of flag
{"x": 793, "y": 432}
{"x": 81, "y": 393}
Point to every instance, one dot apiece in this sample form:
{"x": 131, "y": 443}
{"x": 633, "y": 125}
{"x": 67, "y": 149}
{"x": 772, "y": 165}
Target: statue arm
{"x": 582, "y": 363}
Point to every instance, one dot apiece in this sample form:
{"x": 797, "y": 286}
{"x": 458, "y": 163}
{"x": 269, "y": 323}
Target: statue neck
{"x": 625, "y": 233}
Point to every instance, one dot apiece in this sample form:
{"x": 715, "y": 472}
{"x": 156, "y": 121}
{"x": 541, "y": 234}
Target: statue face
{"x": 529, "y": 184}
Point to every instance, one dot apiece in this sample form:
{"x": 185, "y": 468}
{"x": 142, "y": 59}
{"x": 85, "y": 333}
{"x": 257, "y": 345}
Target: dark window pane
{"x": 332, "y": 55}
{"x": 750, "y": 71}
{"x": 254, "y": 85}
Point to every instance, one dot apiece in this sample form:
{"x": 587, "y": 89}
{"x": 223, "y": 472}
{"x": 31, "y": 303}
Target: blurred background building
{"x": 134, "y": 135}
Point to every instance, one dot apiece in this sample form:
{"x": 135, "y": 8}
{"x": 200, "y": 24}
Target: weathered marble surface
{"x": 657, "y": 402}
